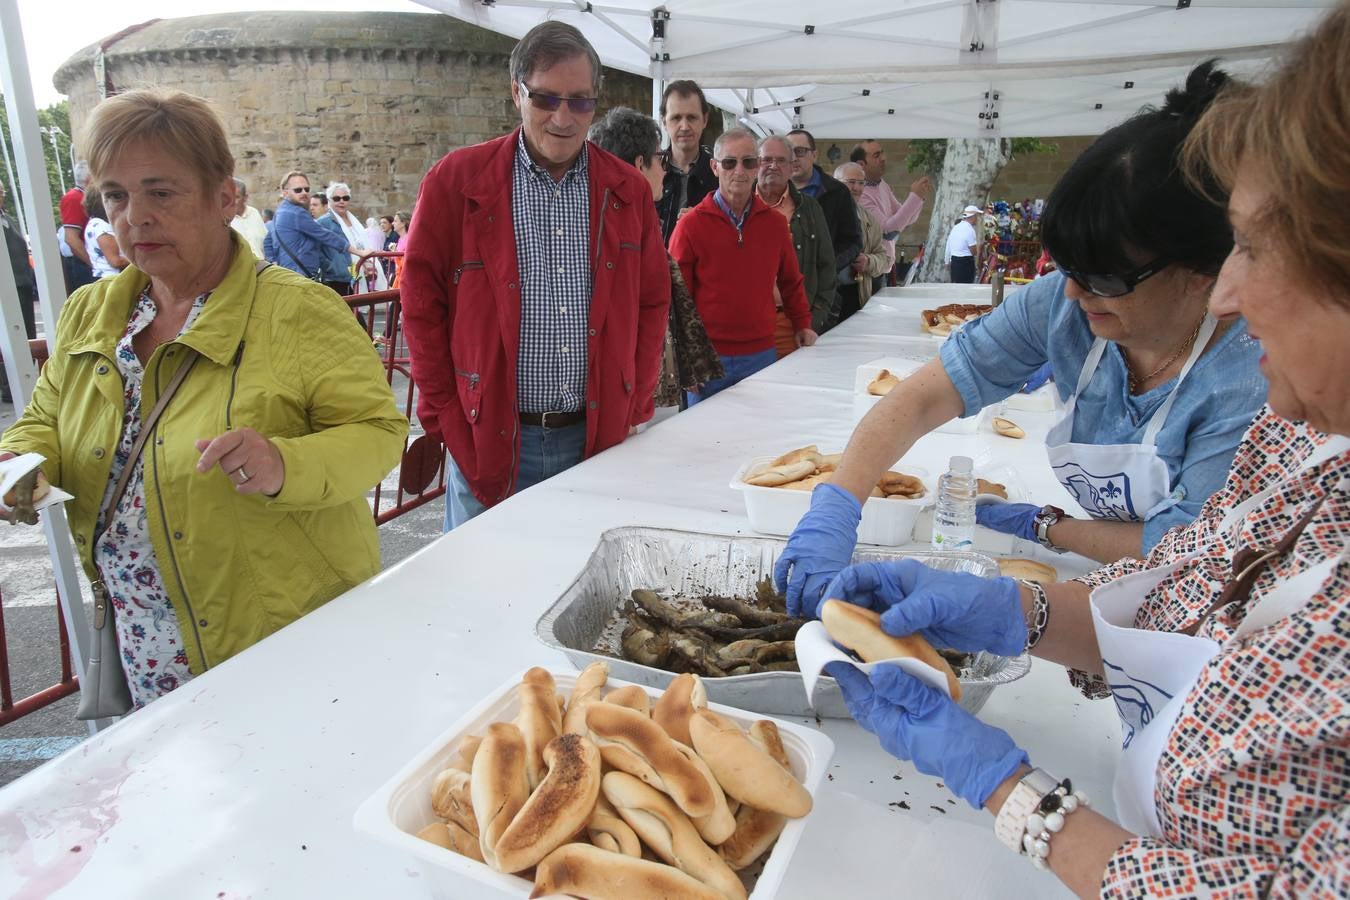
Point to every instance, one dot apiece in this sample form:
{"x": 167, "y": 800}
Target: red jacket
{"x": 731, "y": 277}
{"x": 461, "y": 308}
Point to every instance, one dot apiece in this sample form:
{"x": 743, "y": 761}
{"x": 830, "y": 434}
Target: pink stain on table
{"x": 65, "y": 836}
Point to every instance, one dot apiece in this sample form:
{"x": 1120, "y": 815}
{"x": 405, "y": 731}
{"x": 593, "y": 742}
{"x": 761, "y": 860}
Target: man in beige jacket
{"x": 870, "y": 265}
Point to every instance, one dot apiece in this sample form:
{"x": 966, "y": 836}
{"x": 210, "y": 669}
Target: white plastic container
{"x": 886, "y": 521}
{"x": 402, "y": 806}
{"x": 901, "y": 368}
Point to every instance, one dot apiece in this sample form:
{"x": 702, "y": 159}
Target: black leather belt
{"x": 553, "y": 419}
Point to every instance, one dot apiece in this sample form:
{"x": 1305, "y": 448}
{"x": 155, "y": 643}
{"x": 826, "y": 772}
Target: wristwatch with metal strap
{"x": 1048, "y": 516}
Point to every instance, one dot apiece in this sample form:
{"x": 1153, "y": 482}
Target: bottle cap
{"x": 962, "y": 465}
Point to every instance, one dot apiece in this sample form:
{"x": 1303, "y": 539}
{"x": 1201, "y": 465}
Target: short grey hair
{"x": 81, "y": 172}
{"x": 732, "y": 134}
{"x": 776, "y": 139}
{"x": 334, "y": 186}
{"x": 628, "y": 134}
{"x": 549, "y": 43}
{"x": 839, "y": 172}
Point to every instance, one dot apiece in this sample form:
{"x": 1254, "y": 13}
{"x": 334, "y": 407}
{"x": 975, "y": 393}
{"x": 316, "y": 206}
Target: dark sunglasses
{"x": 550, "y": 103}
{"x": 339, "y": 198}
{"x": 1114, "y": 285}
{"x": 301, "y": 190}
{"x": 749, "y": 163}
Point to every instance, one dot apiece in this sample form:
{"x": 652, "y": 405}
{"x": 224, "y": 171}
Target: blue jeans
{"x": 544, "y": 452}
{"x": 737, "y": 368}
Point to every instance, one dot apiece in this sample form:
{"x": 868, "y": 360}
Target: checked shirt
{"x": 552, "y": 226}
{"x": 1253, "y": 789}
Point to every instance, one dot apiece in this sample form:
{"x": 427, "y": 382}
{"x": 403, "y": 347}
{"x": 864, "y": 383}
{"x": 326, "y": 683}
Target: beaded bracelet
{"x": 1048, "y": 820}
{"x": 1038, "y": 617}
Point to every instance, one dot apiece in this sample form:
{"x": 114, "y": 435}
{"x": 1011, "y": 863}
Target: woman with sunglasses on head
{"x": 368, "y": 276}
{"x": 1227, "y": 648}
{"x": 1157, "y": 393}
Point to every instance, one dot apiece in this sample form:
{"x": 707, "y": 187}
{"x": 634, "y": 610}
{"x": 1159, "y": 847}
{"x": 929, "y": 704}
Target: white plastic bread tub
{"x": 402, "y": 806}
{"x": 776, "y": 510}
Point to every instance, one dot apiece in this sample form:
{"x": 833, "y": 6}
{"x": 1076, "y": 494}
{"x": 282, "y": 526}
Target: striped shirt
{"x": 1253, "y": 789}
{"x": 552, "y": 225}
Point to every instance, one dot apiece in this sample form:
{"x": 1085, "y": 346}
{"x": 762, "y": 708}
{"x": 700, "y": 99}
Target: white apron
{"x": 1122, "y": 482}
{"x": 1152, "y": 672}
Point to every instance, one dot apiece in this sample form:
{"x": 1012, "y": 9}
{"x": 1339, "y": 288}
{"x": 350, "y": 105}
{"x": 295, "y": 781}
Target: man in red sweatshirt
{"x": 732, "y": 249}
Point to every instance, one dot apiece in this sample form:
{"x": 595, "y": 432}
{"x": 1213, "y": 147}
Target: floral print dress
{"x": 148, "y": 634}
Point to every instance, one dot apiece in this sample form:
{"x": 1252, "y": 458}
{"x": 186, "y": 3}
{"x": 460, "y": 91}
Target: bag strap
{"x": 147, "y": 426}
{"x": 276, "y": 233}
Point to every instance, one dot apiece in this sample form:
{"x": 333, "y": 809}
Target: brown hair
{"x": 286, "y": 179}
{"x": 181, "y": 124}
{"x": 685, "y": 88}
{"x": 1296, "y": 129}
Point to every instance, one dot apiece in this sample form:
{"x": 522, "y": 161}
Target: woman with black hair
{"x": 1157, "y": 392}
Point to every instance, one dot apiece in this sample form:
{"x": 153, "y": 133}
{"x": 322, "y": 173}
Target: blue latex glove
{"x": 949, "y": 609}
{"x": 1017, "y": 519}
{"x": 923, "y": 725}
{"x": 820, "y": 545}
{"x": 1040, "y": 377}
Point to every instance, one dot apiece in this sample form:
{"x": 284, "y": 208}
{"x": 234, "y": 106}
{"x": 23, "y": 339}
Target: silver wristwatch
{"x": 1048, "y": 516}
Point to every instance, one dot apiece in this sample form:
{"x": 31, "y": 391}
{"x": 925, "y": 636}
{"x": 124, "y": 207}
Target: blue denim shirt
{"x": 991, "y": 358}
{"x": 294, "y": 229}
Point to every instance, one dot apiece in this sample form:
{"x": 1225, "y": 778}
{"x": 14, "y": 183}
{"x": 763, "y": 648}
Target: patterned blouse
{"x": 1253, "y": 789}
{"x": 148, "y": 634}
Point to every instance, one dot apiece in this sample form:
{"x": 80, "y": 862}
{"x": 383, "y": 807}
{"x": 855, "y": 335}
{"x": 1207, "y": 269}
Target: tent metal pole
{"x": 23, "y": 126}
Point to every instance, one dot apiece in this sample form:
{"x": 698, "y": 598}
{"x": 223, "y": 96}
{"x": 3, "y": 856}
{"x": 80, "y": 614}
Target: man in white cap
{"x": 963, "y": 246}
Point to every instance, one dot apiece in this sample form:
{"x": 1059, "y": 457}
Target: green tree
{"x": 57, "y": 115}
{"x": 926, "y": 155}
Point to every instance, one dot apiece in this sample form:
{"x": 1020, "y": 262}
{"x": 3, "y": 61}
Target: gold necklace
{"x": 1135, "y": 382}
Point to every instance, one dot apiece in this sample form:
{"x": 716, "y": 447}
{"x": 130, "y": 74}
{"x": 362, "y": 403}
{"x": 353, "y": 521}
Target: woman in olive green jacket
{"x": 247, "y": 507}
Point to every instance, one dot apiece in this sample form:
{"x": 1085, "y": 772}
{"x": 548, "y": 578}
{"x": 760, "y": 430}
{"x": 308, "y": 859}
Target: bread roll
{"x": 899, "y": 483}
{"x": 808, "y": 483}
{"x": 991, "y": 487}
{"x": 829, "y": 462}
{"x": 590, "y": 682}
{"x": 558, "y": 808}
{"x": 633, "y": 697}
{"x": 767, "y": 736}
{"x": 718, "y": 825}
{"x": 757, "y": 829}
{"x": 744, "y": 769}
{"x": 452, "y": 798}
{"x": 41, "y": 488}
{"x": 579, "y": 870}
{"x": 538, "y": 720}
{"x": 883, "y": 384}
{"x": 499, "y": 784}
{"x": 774, "y": 476}
{"x": 609, "y": 832}
{"x": 859, "y": 630}
{"x": 468, "y": 746}
{"x": 1029, "y": 569}
{"x": 1008, "y": 428}
{"x": 633, "y": 743}
{"x": 794, "y": 456}
{"x": 682, "y": 696}
{"x": 669, "y": 833}
{"x": 452, "y": 837}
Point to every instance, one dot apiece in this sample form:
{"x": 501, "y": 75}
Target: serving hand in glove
{"x": 1017, "y": 519}
{"x": 949, "y": 609}
{"x": 820, "y": 545}
{"x": 247, "y": 458}
{"x": 921, "y": 724}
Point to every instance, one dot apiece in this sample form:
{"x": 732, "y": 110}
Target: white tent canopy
{"x": 920, "y": 68}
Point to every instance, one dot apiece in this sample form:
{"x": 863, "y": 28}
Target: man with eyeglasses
{"x": 963, "y": 246}
{"x": 733, "y": 250}
{"x": 689, "y": 175}
{"x": 810, "y": 237}
{"x": 833, "y": 198}
{"x": 295, "y": 240}
{"x": 879, "y": 198}
{"x": 868, "y": 266}
{"x": 535, "y": 288}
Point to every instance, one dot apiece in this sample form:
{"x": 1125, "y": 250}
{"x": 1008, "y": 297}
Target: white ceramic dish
{"x": 885, "y": 521}
{"x": 402, "y": 806}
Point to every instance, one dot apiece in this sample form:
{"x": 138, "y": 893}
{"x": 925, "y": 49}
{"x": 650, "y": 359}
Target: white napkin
{"x": 11, "y": 470}
{"x": 815, "y": 649}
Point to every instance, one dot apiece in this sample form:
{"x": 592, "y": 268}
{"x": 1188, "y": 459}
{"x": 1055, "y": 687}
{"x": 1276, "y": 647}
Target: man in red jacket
{"x": 732, "y": 250}
{"x": 535, "y": 288}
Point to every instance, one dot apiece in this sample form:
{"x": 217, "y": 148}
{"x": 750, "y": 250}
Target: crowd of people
{"x": 561, "y": 279}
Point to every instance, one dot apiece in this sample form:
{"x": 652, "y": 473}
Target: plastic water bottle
{"x": 954, "y": 517}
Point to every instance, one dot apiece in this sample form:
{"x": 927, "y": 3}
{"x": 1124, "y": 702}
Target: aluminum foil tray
{"x": 685, "y": 563}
